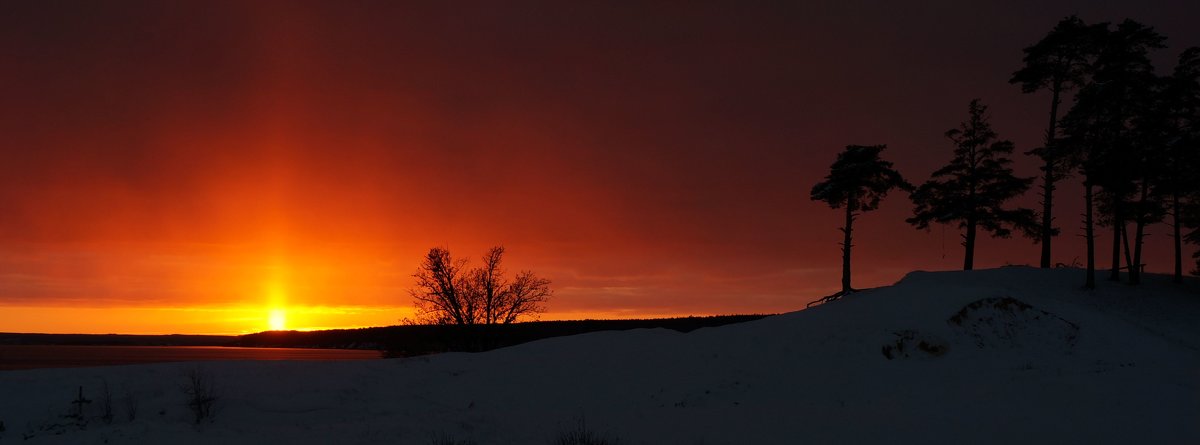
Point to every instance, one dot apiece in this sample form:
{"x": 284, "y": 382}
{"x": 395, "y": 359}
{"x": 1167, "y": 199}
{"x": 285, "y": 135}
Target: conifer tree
{"x": 1181, "y": 183}
{"x": 858, "y": 180}
{"x": 1100, "y": 129}
{"x": 973, "y": 188}
{"x": 1059, "y": 64}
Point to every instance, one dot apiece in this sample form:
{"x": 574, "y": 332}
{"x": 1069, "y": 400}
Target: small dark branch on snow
{"x": 829, "y": 298}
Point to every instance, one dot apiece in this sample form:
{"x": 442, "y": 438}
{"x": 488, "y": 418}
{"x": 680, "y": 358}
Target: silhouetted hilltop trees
{"x": 1059, "y": 63}
{"x": 1132, "y": 135}
{"x": 1180, "y": 183}
{"x": 973, "y": 188}
{"x": 1113, "y": 137}
{"x": 857, "y": 181}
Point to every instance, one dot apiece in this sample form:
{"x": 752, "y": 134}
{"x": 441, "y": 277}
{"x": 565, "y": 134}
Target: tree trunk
{"x": 1135, "y": 271}
{"x": 1139, "y": 234}
{"x": 1176, "y": 221}
{"x": 1089, "y": 235}
{"x": 846, "y": 230}
{"x": 1047, "y": 220}
{"x": 969, "y": 259}
{"x": 1048, "y": 177}
{"x": 1128, "y": 256}
{"x": 1117, "y": 223}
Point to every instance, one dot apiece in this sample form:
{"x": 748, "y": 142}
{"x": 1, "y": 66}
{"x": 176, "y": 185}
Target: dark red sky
{"x": 649, "y": 158}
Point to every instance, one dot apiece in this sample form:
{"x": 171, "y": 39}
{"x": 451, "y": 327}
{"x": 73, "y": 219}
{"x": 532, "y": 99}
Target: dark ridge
{"x": 410, "y": 340}
{"x": 394, "y": 341}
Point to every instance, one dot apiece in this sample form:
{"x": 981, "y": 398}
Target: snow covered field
{"x": 1012, "y": 355}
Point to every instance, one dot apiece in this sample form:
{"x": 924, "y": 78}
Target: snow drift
{"x": 993, "y": 356}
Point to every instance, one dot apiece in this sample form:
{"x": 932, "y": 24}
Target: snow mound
{"x": 1009, "y": 323}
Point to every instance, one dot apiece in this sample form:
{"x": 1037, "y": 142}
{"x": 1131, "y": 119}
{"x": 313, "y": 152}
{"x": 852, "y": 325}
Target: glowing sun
{"x": 277, "y": 319}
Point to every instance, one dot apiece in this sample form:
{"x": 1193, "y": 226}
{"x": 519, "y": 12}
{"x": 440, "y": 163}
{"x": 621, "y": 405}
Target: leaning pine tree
{"x": 972, "y": 189}
{"x": 857, "y": 181}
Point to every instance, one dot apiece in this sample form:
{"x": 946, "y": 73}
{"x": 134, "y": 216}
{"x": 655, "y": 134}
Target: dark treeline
{"x": 411, "y": 340}
{"x": 1130, "y": 133}
{"x": 394, "y": 341}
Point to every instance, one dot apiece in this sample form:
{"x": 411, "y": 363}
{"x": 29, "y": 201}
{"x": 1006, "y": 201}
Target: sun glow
{"x": 277, "y": 293}
{"x": 277, "y": 319}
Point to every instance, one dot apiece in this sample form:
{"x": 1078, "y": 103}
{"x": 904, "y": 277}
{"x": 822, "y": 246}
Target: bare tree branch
{"x": 448, "y": 293}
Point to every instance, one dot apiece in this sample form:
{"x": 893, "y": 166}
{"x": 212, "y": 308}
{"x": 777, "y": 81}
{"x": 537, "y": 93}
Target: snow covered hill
{"x": 1011, "y": 355}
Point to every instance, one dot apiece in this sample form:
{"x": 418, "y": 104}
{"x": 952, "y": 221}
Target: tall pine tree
{"x": 973, "y": 188}
{"x": 1100, "y": 129}
{"x": 1059, "y": 64}
{"x": 1181, "y": 182}
{"x": 857, "y": 181}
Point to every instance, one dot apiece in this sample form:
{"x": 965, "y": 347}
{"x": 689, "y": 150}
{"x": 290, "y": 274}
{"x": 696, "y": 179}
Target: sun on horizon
{"x": 277, "y": 319}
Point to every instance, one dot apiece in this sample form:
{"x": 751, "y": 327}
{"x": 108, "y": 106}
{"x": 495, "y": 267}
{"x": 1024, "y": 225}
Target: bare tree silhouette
{"x": 858, "y": 180}
{"x": 440, "y": 292}
{"x": 448, "y": 293}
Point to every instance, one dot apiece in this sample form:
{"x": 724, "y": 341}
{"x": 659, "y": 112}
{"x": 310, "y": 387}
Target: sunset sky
{"x": 195, "y": 167}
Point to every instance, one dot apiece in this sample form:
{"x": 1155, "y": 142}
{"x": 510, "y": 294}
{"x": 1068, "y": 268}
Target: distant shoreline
{"x": 406, "y": 340}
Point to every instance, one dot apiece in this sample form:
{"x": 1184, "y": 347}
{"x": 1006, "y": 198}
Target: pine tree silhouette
{"x": 1100, "y": 131}
{"x": 1181, "y": 173}
{"x": 858, "y": 180}
{"x": 1058, "y": 63}
{"x": 973, "y": 188}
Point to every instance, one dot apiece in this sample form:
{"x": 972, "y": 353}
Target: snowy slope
{"x": 994, "y": 356}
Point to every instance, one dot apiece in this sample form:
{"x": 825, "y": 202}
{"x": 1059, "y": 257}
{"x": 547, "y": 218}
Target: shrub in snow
{"x": 911, "y": 343}
{"x": 106, "y": 405}
{"x": 581, "y": 435}
{"x": 76, "y": 412}
{"x": 131, "y": 405}
{"x": 201, "y": 391}
{"x": 445, "y": 439}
